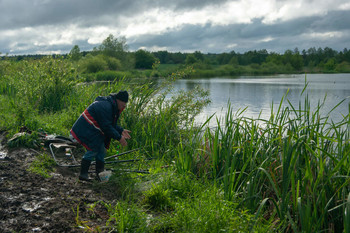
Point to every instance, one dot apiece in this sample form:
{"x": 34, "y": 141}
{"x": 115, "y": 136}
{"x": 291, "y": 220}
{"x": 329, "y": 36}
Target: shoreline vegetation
{"x": 112, "y": 60}
{"x": 289, "y": 175}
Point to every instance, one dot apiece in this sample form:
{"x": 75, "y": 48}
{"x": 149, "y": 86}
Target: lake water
{"x": 259, "y": 92}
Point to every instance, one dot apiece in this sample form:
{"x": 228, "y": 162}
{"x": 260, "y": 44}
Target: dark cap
{"x": 121, "y": 95}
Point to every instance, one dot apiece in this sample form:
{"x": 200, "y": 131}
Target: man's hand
{"x": 126, "y": 134}
{"x": 123, "y": 141}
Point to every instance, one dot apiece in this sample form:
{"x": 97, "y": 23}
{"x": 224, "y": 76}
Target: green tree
{"x": 114, "y": 47}
{"x": 190, "y": 59}
{"x": 346, "y": 54}
{"x": 199, "y": 56}
{"x": 178, "y": 58}
{"x": 274, "y": 58}
{"x": 293, "y": 58}
{"x": 330, "y": 65}
{"x": 163, "y": 56}
{"x": 75, "y": 54}
{"x": 234, "y": 61}
{"x": 224, "y": 58}
{"x": 297, "y": 62}
{"x": 117, "y": 48}
{"x": 144, "y": 59}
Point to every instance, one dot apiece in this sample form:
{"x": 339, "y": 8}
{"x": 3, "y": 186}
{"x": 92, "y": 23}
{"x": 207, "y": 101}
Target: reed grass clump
{"x": 32, "y": 87}
{"x": 293, "y": 167}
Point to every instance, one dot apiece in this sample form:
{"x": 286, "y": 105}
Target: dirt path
{"x": 31, "y": 203}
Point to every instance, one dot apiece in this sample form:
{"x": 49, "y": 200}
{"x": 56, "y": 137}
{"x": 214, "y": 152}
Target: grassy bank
{"x": 289, "y": 173}
{"x": 200, "y": 70}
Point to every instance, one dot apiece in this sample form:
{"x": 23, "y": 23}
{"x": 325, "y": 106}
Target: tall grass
{"x": 158, "y": 122}
{"x": 292, "y": 168}
{"x": 49, "y": 94}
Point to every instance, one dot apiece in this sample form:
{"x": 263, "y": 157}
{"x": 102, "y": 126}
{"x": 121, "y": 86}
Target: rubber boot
{"x": 84, "y": 170}
{"x": 100, "y": 167}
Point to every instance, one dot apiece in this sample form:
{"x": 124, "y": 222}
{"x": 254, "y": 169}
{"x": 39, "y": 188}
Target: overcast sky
{"x": 209, "y": 26}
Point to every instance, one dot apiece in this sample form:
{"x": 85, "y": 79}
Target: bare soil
{"x": 32, "y": 203}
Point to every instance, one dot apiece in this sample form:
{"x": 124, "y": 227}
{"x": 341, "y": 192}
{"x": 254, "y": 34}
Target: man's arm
{"x": 105, "y": 119}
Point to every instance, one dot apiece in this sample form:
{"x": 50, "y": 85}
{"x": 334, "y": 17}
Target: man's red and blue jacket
{"x": 98, "y": 124}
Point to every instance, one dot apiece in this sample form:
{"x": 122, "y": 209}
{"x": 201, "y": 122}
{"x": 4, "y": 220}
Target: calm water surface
{"x": 259, "y": 92}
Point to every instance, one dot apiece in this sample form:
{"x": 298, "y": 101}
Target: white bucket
{"x": 105, "y": 175}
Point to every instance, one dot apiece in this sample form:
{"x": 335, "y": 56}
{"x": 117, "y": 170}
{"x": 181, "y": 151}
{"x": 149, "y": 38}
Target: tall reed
{"x": 292, "y": 168}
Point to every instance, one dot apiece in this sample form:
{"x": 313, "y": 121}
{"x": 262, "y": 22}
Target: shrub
{"x": 92, "y": 64}
{"x": 113, "y": 63}
{"x": 343, "y": 67}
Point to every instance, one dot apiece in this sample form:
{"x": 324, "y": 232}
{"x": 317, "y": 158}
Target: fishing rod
{"x": 126, "y": 152}
{"x": 113, "y": 156}
{"x": 128, "y": 160}
{"x": 129, "y": 170}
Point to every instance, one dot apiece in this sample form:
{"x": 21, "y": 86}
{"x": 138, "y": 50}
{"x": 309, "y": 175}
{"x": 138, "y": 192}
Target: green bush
{"x": 113, "y": 63}
{"x": 92, "y": 64}
{"x": 343, "y": 67}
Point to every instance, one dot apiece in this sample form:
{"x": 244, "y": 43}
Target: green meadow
{"x": 288, "y": 173}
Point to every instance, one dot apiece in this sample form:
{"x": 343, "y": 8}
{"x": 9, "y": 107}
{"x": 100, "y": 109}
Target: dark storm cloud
{"x": 256, "y": 35}
{"x": 194, "y": 4}
{"x": 335, "y": 20}
{"x": 18, "y": 13}
{"x": 24, "y": 25}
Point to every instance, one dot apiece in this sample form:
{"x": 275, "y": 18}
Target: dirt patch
{"x": 31, "y": 203}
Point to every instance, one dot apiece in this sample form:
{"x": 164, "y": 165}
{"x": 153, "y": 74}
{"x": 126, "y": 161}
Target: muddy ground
{"x": 31, "y": 203}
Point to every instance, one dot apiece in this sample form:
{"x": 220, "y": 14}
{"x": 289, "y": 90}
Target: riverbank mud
{"x": 31, "y": 203}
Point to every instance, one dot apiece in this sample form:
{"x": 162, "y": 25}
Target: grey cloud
{"x": 285, "y": 35}
{"x": 206, "y": 38}
{"x": 19, "y": 13}
{"x": 335, "y": 20}
{"x": 194, "y": 4}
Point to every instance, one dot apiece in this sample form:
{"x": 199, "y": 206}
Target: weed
{"x": 23, "y": 139}
{"x": 125, "y": 217}
{"x": 43, "y": 165}
{"x": 158, "y": 199}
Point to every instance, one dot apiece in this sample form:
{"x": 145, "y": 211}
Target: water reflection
{"x": 258, "y": 93}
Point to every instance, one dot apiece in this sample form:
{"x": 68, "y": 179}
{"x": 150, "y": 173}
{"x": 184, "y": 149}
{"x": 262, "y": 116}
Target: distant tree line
{"x": 309, "y": 58}
{"x": 113, "y": 54}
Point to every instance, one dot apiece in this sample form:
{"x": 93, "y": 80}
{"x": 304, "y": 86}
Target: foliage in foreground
{"x": 183, "y": 204}
{"x": 293, "y": 167}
